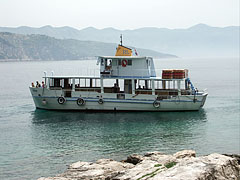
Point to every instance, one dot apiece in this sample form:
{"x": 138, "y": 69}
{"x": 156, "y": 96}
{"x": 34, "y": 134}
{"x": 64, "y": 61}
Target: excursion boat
{"x": 125, "y": 83}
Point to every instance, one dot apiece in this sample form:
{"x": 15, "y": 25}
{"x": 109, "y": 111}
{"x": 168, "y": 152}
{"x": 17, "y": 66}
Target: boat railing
{"x": 92, "y": 89}
{"x": 55, "y": 88}
{"x": 171, "y": 92}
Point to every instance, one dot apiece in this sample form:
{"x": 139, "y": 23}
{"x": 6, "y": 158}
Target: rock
{"x": 134, "y": 159}
{"x": 183, "y": 165}
{"x": 138, "y": 171}
{"x": 149, "y": 154}
{"x": 214, "y": 166}
{"x": 185, "y": 153}
{"x": 236, "y": 156}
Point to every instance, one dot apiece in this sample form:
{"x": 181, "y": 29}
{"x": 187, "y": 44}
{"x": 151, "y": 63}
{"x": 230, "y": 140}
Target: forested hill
{"x": 42, "y": 47}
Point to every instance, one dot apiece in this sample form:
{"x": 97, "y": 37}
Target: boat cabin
{"x": 126, "y": 66}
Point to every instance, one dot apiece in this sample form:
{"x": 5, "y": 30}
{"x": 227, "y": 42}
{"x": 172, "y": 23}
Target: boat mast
{"x": 121, "y": 40}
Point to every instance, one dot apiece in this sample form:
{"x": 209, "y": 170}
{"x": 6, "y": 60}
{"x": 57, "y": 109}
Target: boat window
{"x": 102, "y": 62}
{"x": 119, "y": 62}
{"x": 148, "y": 62}
{"x": 109, "y": 62}
{"x": 143, "y": 84}
{"x": 114, "y": 62}
{"x": 105, "y": 62}
{"x": 56, "y": 82}
{"x": 129, "y": 62}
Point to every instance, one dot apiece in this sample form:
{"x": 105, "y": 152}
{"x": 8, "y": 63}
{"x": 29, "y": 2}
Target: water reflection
{"x": 114, "y": 135}
{"x": 44, "y": 116}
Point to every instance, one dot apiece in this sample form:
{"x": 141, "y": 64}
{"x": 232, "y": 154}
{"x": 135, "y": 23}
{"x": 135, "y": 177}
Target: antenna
{"x": 121, "y": 39}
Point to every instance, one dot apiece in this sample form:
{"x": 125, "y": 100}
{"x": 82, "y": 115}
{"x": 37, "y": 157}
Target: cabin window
{"x": 114, "y": 63}
{"x": 56, "y": 82}
{"x": 119, "y": 62}
{"x": 102, "y": 62}
{"x": 109, "y": 62}
{"x": 129, "y": 62}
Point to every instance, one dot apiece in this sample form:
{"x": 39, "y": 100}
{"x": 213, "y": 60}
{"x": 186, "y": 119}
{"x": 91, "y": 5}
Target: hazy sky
{"x": 120, "y": 14}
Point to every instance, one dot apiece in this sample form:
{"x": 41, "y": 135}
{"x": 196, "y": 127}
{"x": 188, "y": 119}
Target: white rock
{"x": 185, "y": 153}
{"x": 182, "y": 165}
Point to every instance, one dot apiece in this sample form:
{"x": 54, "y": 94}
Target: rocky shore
{"x": 183, "y": 165}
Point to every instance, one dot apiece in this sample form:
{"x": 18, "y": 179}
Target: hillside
{"x": 42, "y": 47}
{"x": 198, "y": 41}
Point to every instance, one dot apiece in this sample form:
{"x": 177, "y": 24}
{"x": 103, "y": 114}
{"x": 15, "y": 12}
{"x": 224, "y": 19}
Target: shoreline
{"x": 156, "y": 165}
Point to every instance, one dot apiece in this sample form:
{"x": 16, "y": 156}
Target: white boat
{"x": 125, "y": 83}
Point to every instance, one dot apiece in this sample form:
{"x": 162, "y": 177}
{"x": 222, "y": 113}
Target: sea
{"x": 36, "y": 143}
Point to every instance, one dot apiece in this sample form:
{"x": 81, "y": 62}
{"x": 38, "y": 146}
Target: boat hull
{"x": 48, "y": 99}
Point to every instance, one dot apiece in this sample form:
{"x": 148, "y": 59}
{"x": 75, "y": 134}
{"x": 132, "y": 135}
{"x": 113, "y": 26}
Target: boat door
{"x": 67, "y": 88}
{"x": 128, "y": 86}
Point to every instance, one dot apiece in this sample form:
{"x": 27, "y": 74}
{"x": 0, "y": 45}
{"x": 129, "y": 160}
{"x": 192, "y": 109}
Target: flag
{"x": 135, "y": 52}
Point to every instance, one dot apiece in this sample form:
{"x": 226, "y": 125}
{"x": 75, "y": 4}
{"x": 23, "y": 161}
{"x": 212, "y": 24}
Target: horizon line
{"x": 199, "y": 24}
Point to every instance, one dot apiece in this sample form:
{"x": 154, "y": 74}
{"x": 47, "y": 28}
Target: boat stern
{"x": 205, "y": 94}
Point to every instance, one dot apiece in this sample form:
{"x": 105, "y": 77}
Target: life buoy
{"x": 61, "y": 100}
{"x": 100, "y": 101}
{"x": 80, "y": 101}
{"x": 156, "y": 104}
{"x": 124, "y": 63}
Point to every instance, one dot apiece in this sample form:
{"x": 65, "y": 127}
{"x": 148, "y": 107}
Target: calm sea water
{"x": 35, "y": 143}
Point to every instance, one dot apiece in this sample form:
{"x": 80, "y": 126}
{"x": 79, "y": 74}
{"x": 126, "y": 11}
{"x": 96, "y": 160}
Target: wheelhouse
{"x": 126, "y": 66}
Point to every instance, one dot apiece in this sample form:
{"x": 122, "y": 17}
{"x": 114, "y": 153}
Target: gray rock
{"x": 236, "y": 156}
{"x": 185, "y": 153}
{"x": 213, "y": 166}
{"x": 183, "y": 165}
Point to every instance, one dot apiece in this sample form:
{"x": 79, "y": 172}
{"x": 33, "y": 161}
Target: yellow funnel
{"x": 123, "y": 51}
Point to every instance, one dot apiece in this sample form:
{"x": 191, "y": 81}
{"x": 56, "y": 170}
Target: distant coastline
{"x": 33, "y": 60}
{"x": 200, "y": 40}
{"x": 42, "y": 47}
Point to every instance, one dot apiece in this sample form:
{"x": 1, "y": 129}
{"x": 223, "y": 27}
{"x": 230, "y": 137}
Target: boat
{"x": 125, "y": 83}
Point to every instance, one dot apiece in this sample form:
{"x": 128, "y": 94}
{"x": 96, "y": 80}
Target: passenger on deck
{"x": 33, "y": 84}
{"x": 115, "y": 88}
{"x": 37, "y": 84}
{"x": 43, "y": 85}
{"x": 139, "y": 87}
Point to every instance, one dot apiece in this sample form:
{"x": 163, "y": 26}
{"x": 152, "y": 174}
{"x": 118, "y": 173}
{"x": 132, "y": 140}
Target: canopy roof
{"x": 97, "y": 77}
{"x": 124, "y": 57}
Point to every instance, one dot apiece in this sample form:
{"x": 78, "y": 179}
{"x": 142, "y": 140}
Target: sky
{"x": 119, "y": 14}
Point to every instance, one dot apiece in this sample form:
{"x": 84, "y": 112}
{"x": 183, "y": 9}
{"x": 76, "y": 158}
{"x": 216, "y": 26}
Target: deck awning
{"x": 97, "y": 77}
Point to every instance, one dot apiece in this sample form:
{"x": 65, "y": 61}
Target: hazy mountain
{"x": 200, "y": 40}
{"x": 42, "y": 47}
